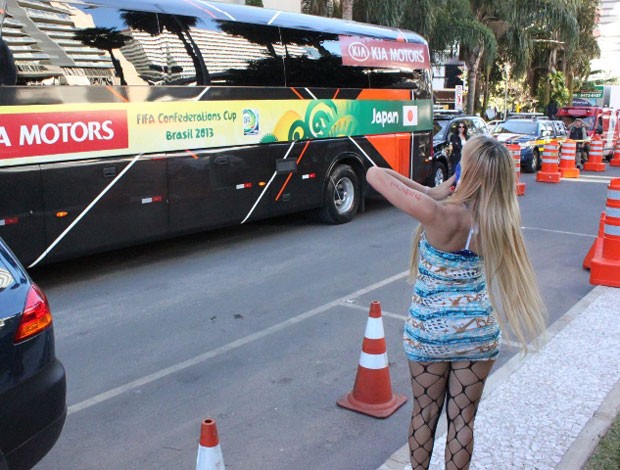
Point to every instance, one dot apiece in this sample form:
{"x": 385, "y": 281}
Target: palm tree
{"x": 347, "y": 9}
{"x": 478, "y": 29}
{"x": 328, "y": 8}
{"x": 176, "y": 24}
{"x": 386, "y": 12}
{"x": 105, "y": 39}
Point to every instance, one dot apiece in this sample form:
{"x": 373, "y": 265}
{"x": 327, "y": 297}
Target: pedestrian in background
{"x": 578, "y": 133}
{"x": 457, "y": 141}
{"x": 471, "y": 276}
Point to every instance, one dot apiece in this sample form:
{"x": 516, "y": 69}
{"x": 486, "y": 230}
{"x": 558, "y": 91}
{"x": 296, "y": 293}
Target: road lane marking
{"x": 560, "y": 231}
{"x": 383, "y": 312}
{"x": 114, "y": 392}
{"x": 590, "y": 179}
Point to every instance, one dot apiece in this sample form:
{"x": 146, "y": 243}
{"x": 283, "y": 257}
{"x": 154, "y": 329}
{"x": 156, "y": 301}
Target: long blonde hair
{"x": 487, "y": 188}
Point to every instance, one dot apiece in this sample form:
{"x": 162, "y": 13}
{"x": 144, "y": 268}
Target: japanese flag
{"x": 410, "y": 115}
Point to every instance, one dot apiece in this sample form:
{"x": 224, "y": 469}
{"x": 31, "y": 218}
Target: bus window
{"x": 240, "y": 54}
{"x": 8, "y": 73}
{"x": 313, "y": 59}
{"x": 416, "y": 80}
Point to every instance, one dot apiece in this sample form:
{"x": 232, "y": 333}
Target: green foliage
{"x": 607, "y": 454}
{"x": 254, "y": 3}
{"x": 386, "y": 12}
{"x": 537, "y": 38}
{"x": 552, "y": 88}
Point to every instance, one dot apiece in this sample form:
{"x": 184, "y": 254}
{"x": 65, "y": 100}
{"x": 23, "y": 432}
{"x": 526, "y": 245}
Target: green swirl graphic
{"x": 320, "y": 116}
{"x": 298, "y": 130}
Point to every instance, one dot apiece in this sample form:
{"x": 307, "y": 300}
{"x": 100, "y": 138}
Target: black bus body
{"x": 125, "y": 122}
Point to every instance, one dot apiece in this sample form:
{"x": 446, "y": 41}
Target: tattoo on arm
{"x": 406, "y": 191}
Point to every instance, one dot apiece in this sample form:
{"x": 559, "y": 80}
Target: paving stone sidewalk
{"x": 547, "y": 410}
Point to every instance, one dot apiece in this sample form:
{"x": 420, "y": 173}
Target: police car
{"x": 531, "y": 135}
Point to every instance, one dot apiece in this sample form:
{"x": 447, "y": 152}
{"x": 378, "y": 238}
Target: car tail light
{"x": 36, "y": 316}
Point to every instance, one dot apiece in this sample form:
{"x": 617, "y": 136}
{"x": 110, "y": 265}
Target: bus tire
{"x": 342, "y": 196}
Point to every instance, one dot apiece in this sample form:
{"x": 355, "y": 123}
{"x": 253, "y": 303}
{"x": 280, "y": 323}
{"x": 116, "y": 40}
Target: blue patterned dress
{"x": 451, "y": 317}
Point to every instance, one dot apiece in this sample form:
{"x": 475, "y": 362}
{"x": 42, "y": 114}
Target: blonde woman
{"x": 469, "y": 262}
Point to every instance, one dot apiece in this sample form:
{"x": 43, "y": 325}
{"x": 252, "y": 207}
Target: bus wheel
{"x": 342, "y": 197}
{"x": 440, "y": 174}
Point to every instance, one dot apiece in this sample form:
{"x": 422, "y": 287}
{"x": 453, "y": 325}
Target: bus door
{"x": 103, "y": 203}
{"x": 21, "y": 210}
{"x": 211, "y": 188}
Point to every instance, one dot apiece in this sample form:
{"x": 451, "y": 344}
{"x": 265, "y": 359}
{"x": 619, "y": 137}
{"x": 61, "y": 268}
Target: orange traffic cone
{"x": 595, "y": 156}
{"x": 372, "y": 392}
{"x": 549, "y": 172}
{"x": 568, "y": 169}
{"x": 615, "y": 159}
{"x": 209, "y": 451}
{"x": 597, "y": 246}
{"x": 605, "y": 265}
{"x": 515, "y": 150}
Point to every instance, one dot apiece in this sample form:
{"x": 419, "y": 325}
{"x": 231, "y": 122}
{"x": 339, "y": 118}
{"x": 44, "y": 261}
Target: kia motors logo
{"x": 358, "y": 51}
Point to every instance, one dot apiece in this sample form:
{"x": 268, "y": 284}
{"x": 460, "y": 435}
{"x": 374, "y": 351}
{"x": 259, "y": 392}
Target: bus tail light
{"x": 9, "y": 221}
{"x": 36, "y": 316}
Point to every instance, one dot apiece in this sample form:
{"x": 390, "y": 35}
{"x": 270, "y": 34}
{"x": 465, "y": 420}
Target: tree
{"x": 105, "y": 39}
{"x": 328, "y": 8}
{"x": 347, "y": 9}
{"x": 175, "y": 24}
{"x": 254, "y": 3}
{"x": 385, "y": 13}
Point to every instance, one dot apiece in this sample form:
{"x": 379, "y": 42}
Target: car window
{"x": 480, "y": 126}
{"x": 546, "y": 129}
{"x": 517, "y": 126}
{"x": 439, "y": 125}
{"x": 560, "y": 129}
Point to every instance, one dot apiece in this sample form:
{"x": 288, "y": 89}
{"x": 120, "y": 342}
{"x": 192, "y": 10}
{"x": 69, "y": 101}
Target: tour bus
{"x": 125, "y": 122}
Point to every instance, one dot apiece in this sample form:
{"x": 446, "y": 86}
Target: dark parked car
{"x": 531, "y": 135}
{"x": 445, "y": 123}
{"x": 33, "y": 402}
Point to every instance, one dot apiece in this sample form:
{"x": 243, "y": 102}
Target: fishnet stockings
{"x": 460, "y": 385}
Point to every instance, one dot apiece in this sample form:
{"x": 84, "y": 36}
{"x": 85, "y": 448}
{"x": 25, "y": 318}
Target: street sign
{"x": 458, "y": 97}
{"x": 597, "y": 92}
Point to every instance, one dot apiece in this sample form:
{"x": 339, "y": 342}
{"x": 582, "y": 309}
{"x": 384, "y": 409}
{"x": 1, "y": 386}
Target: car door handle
{"x": 222, "y": 160}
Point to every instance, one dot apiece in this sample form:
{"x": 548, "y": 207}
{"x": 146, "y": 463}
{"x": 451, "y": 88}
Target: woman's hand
{"x": 445, "y": 189}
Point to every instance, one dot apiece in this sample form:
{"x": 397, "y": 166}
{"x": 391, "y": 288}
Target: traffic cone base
{"x": 381, "y": 410}
{"x": 614, "y": 162}
{"x": 548, "y": 177}
{"x": 520, "y": 188}
{"x": 594, "y": 166}
{"x": 605, "y": 272}
{"x": 569, "y": 172}
{"x": 605, "y": 264}
{"x": 596, "y": 249}
{"x": 372, "y": 392}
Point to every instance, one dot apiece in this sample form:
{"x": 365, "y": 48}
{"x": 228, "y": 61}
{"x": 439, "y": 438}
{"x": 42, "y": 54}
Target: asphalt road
{"x": 260, "y": 327}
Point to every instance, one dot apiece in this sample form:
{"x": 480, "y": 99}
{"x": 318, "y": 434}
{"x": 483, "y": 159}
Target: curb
{"x": 581, "y": 449}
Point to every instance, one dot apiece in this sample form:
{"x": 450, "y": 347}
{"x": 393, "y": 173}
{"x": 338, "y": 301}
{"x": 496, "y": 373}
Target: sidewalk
{"x": 549, "y": 410}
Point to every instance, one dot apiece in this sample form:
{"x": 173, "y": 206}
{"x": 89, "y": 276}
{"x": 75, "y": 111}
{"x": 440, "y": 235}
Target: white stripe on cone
{"x": 210, "y": 458}
{"x": 374, "y": 328}
{"x": 373, "y": 361}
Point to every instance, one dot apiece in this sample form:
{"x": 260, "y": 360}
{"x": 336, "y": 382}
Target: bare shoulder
{"x": 449, "y": 229}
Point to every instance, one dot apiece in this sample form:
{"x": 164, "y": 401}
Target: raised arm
{"x": 415, "y": 199}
